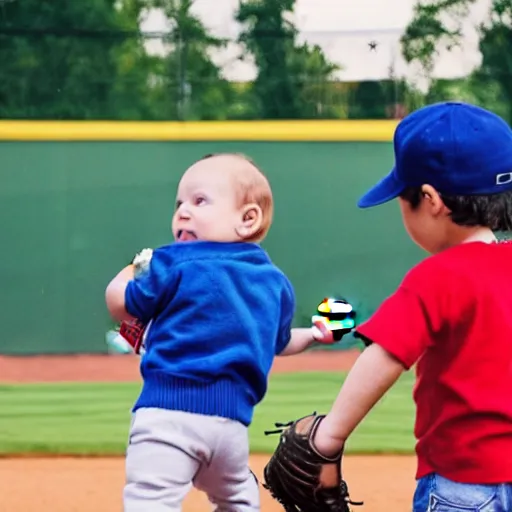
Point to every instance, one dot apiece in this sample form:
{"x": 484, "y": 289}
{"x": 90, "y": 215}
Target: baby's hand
{"x": 141, "y": 261}
{"x": 321, "y": 333}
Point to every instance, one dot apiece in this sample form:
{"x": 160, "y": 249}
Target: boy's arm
{"x": 115, "y": 294}
{"x": 397, "y": 345}
{"x": 374, "y": 372}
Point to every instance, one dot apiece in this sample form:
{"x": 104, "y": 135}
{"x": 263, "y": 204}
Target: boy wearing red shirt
{"x": 452, "y": 313}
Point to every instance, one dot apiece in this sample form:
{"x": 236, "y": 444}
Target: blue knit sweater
{"x": 221, "y": 312}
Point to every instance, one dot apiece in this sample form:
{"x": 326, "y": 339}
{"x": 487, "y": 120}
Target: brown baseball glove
{"x": 299, "y": 477}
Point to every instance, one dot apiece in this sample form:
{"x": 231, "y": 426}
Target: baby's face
{"x": 206, "y": 205}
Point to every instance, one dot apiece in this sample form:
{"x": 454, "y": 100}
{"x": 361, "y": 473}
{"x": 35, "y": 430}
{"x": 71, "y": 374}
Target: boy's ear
{"x": 433, "y": 199}
{"x": 250, "y": 222}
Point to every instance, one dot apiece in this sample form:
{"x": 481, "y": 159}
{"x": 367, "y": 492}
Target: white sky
{"x": 343, "y": 29}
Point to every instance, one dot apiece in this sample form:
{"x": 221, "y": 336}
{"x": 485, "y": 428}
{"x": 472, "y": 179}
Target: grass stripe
{"x": 93, "y": 418}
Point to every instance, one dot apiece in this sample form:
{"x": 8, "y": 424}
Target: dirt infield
{"x": 385, "y": 483}
{"x": 125, "y": 368}
{"x": 95, "y": 485}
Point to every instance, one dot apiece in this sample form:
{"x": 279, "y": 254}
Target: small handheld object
{"x": 135, "y": 333}
{"x": 301, "y": 479}
{"x": 337, "y": 315}
{"x": 141, "y": 261}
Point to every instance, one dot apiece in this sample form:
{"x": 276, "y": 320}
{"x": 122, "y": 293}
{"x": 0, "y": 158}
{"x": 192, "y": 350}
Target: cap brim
{"x": 385, "y": 190}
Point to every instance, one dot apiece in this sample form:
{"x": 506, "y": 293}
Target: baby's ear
{"x": 251, "y": 220}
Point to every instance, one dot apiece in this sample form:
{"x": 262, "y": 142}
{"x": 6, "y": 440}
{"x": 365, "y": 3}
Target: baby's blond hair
{"x": 252, "y": 187}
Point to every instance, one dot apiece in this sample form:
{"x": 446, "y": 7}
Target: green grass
{"x": 93, "y": 419}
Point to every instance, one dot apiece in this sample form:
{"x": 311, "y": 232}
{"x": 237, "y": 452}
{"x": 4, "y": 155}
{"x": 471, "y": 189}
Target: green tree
{"x": 493, "y": 81}
{"x": 369, "y": 100}
{"x": 71, "y": 60}
{"x": 319, "y": 94}
{"x": 132, "y": 95}
{"x": 288, "y": 74}
{"x": 437, "y": 25}
{"x": 189, "y": 84}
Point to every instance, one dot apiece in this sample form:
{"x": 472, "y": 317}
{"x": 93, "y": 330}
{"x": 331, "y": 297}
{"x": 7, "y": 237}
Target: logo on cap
{"x": 504, "y": 178}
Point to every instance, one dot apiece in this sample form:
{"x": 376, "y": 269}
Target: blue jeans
{"x": 437, "y": 494}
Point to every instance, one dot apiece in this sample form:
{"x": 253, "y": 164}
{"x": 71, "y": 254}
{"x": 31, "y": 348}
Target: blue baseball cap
{"x": 457, "y": 148}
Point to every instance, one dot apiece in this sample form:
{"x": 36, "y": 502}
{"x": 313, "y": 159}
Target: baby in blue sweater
{"x": 220, "y": 311}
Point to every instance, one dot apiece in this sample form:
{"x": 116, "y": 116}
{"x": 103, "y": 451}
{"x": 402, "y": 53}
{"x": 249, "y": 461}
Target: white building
{"x": 343, "y": 29}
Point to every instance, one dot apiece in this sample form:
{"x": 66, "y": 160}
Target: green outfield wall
{"x": 78, "y": 200}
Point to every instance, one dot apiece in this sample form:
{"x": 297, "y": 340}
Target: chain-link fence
{"x": 125, "y": 75}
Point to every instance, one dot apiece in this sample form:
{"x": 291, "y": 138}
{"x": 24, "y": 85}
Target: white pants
{"x": 171, "y": 451}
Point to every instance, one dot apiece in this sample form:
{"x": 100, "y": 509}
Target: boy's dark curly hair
{"x": 491, "y": 211}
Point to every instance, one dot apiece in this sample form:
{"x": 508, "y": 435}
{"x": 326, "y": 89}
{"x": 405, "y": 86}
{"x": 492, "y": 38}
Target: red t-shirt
{"x": 452, "y": 315}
